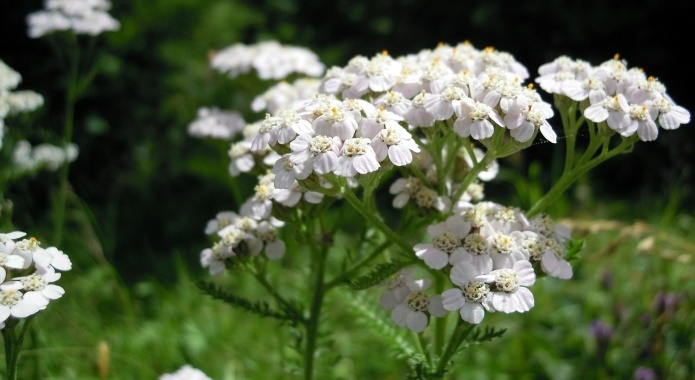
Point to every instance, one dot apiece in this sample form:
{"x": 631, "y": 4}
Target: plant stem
{"x": 570, "y": 177}
{"x": 343, "y": 276}
{"x": 369, "y": 216}
{"x": 458, "y": 336}
{"x": 318, "y": 257}
{"x": 13, "y": 346}
{"x": 70, "y": 99}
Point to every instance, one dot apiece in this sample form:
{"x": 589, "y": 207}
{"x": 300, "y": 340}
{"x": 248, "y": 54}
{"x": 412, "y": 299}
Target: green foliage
{"x": 256, "y": 307}
{"x": 380, "y": 273}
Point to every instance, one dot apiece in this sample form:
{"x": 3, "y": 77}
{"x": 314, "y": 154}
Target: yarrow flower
{"x": 214, "y": 123}
{"x": 187, "y": 372}
{"x": 78, "y": 16}
{"x": 27, "y": 274}
{"x": 627, "y": 100}
{"x": 270, "y": 60}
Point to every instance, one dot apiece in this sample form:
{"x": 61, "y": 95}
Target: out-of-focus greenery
{"x": 143, "y": 190}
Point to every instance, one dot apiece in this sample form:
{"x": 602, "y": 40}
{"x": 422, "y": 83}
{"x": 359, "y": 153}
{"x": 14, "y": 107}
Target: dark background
{"x": 150, "y": 188}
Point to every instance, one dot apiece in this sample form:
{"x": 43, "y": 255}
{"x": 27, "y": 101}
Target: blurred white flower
{"x": 185, "y": 373}
{"x": 79, "y": 16}
{"x": 270, "y": 59}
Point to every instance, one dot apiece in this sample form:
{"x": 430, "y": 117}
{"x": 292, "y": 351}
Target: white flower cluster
{"x": 26, "y": 158}
{"x": 270, "y": 60}
{"x": 27, "y": 274}
{"x": 187, "y": 372}
{"x": 284, "y": 95}
{"x": 628, "y": 100}
{"x": 79, "y": 16}
{"x": 246, "y": 234}
{"x": 214, "y": 123}
{"x": 491, "y": 254}
{"x": 14, "y": 102}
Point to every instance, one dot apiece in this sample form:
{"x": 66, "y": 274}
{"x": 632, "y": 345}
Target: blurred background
{"x": 145, "y": 189}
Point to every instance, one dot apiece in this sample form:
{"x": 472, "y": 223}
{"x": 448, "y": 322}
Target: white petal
{"x": 399, "y": 314}
{"x": 416, "y": 321}
{"x": 452, "y": 299}
{"x": 436, "y": 306}
{"x": 472, "y": 312}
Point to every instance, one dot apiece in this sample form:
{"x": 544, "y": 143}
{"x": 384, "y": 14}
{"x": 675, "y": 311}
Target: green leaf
{"x": 258, "y": 307}
{"x": 378, "y": 275}
{"x": 573, "y": 249}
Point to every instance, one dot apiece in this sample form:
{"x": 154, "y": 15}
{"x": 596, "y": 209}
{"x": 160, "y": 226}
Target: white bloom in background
{"x": 270, "y": 59}
{"x": 187, "y": 372}
{"x": 214, "y": 258}
{"x": 260, "y": 204}
{"x": 356, "y": 157}
{"x": 211, "y": 122}
{"x": 404, "y": 189}
{"x": 79, "y": 16}
{"x": 553, "y": 260}
{"x": 509, "y": 287}
{"x": 9, "y": 78}
{"x": 472, "y": 297}
{"x": 413, "y": 311}
{"x": 242, "y": 161}
{"x": 291, "y": 196}
{"x": 222, "y": 219}
{"x": 51, "y": 157}
{"x": 285, "y": 95}
{"x": 397, "y": 289}
{"x": 446, "y": 240}
{"x": 268, "y": 234}
{"x": 23, "y": 101}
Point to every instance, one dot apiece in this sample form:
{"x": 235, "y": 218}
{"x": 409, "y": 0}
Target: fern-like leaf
{"x": 373, "y": 317}
{"x": 378, "y": 274}
{"x": 256, "y": 307}
{"x": 479, "y": 336}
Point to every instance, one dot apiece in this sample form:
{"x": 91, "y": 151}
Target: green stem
{"x": 13, "y": 346}
{"x": 70, "y": 99}
{"x": 282, "y": 301}
{"x": 352, "y": 199}
{"x": 312, "y": 326}
{"x": 570, "y": 177}
{"x": 345, "y": 275}
{"x": 458, "y": 336}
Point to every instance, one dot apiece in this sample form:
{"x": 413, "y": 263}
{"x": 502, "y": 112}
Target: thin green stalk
{"x": 570, "y": 177}
{"x": 281, "y": 300}
{"x": 13, "y": 346}
{"x": 458, "y": 336}
{"x": 70, "y": 99}
{"x": 352, "y": 199}
{"x": 318, "y": 257}
{"x": 355, "y": 268}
